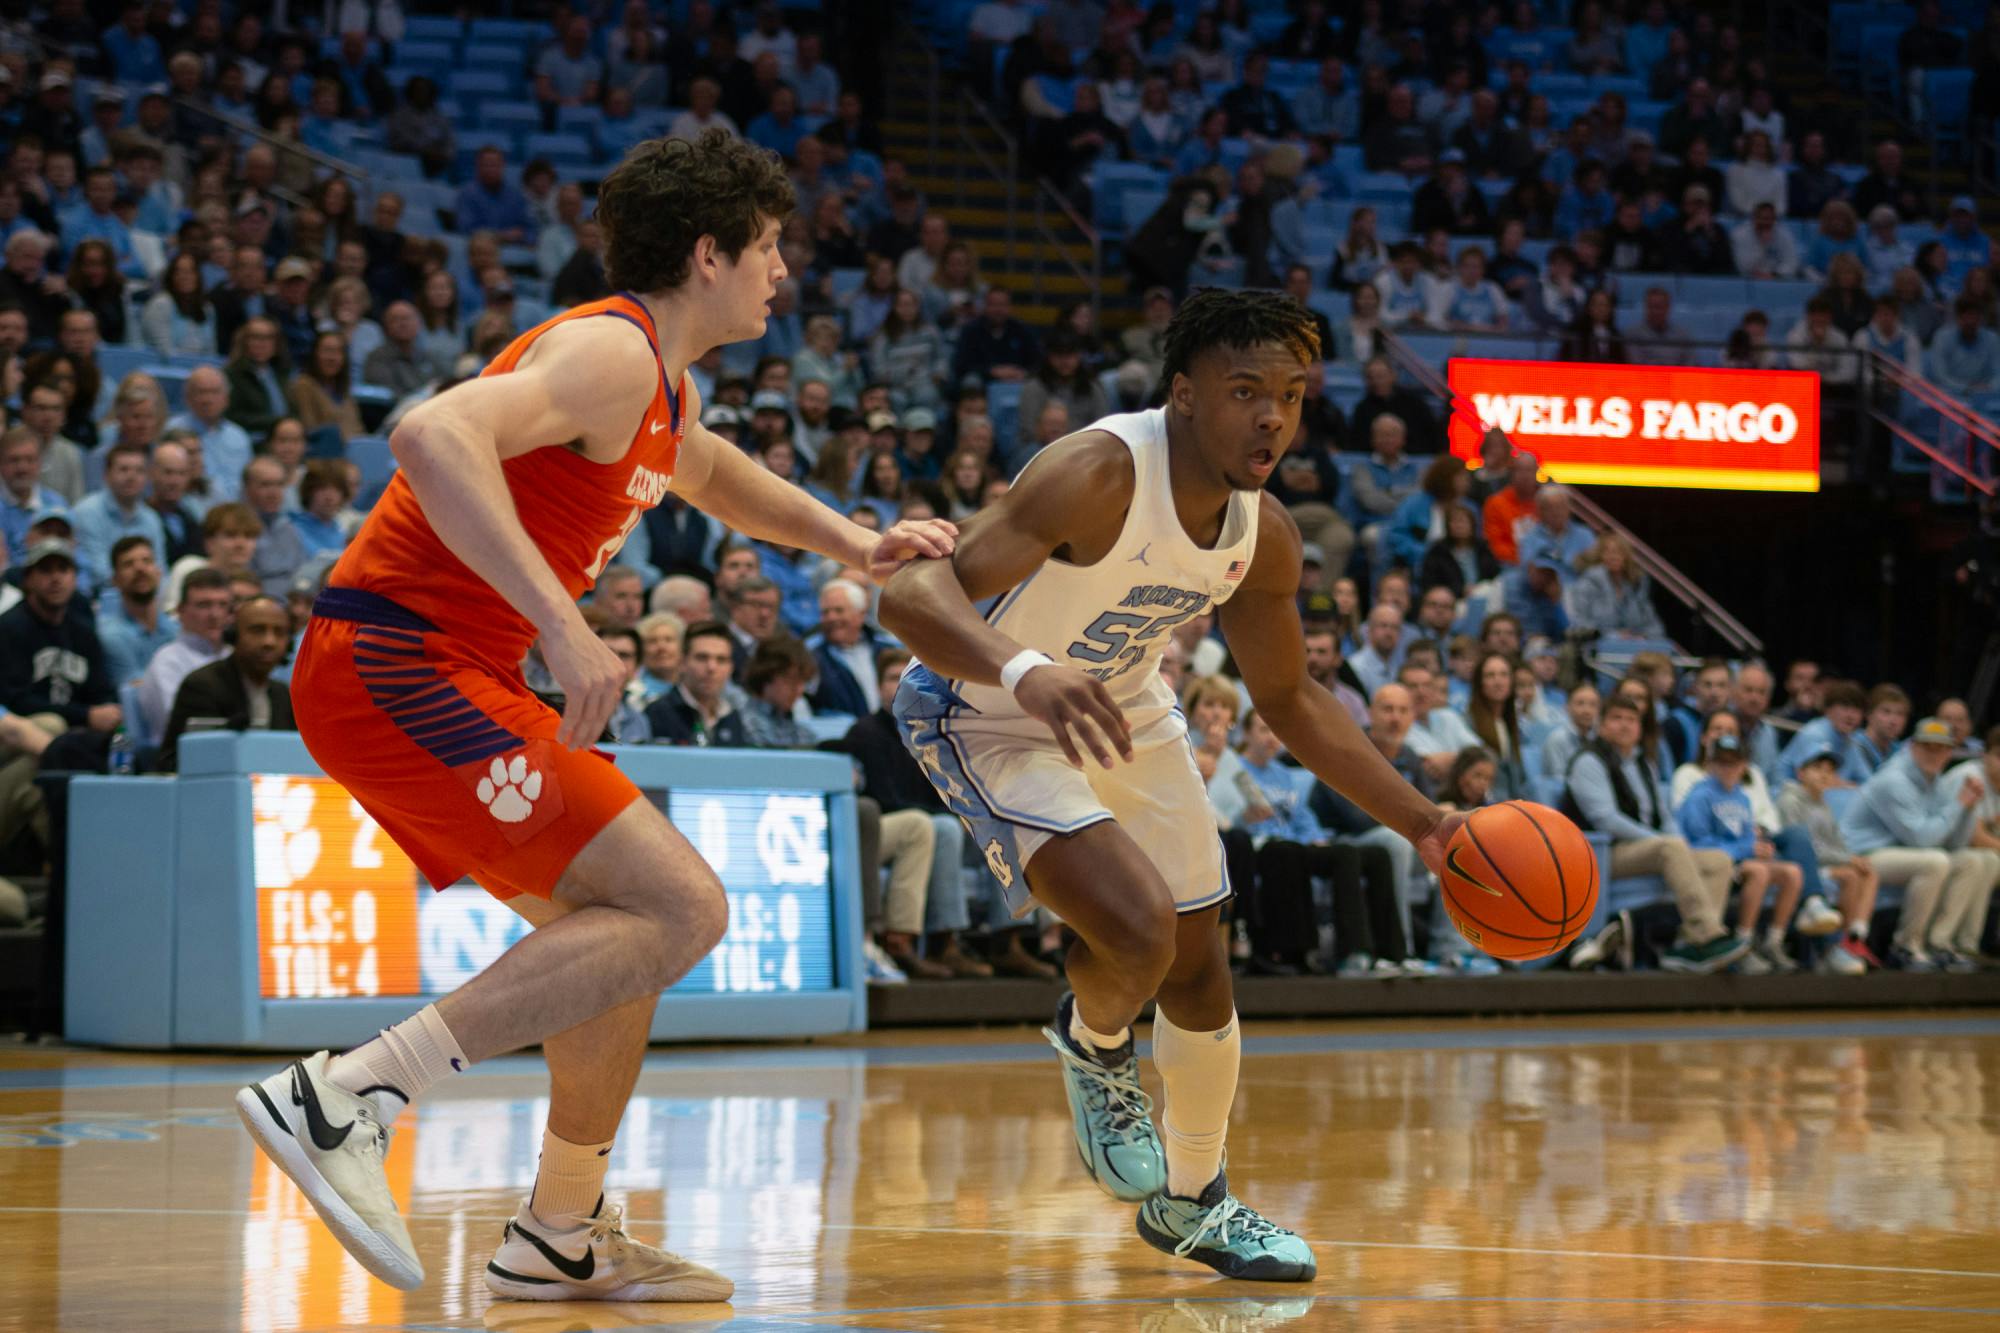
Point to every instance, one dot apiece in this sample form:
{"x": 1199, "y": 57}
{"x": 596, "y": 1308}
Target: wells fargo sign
{"x": 1747, "y": 430}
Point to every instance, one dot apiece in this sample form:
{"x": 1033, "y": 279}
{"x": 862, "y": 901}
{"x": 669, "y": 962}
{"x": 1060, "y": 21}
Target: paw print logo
{"x": 509, "y": 790}
{"x": 285, "y": 842}
{"x": 996, "y": 861}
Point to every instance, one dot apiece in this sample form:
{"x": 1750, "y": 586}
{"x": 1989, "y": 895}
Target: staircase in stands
{"x": 1040, "y": 272}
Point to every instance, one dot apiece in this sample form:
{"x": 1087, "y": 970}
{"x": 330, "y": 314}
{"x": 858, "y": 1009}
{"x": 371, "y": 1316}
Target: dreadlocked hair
{"x": 1221, "y": 317}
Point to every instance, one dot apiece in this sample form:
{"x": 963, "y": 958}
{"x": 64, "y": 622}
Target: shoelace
{"x": 1127, "y": 1104}
{"x": 1248, "y": 1222}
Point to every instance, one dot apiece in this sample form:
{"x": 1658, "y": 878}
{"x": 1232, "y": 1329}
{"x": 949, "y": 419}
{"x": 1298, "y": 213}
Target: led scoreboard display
{"x": 343, "y": 914}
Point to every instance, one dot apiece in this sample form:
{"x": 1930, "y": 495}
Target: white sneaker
{"x": 596, "y": 1261}
{"x": 1815, "y": 918}
{"x": 1839, "y": 962}
{"x": 331, "y": 1143}
{"x": 1752, "y": 964}
{"x": 882, "y": 971}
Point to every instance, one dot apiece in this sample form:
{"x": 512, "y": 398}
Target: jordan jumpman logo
{"x": 1141, "y": 557}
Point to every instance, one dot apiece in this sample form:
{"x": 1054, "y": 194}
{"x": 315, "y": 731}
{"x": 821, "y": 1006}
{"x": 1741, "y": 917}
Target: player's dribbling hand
{"x": 911, "y": 539}
{"x": 591, "y": 678}
{"x": 1431, "y": 847}
{"x": 1065, "y": 699}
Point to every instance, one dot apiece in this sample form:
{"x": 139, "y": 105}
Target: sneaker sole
{"x": 1266, "y": 1269}
{"x": 695, "y": 1288}
{"x": 1669, "y": 963}
{"x": 279, "y": 1141}
{"x": 1831, "y": 926}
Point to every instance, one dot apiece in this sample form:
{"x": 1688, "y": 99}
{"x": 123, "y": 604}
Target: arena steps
{"x": 1022, "y": 1001}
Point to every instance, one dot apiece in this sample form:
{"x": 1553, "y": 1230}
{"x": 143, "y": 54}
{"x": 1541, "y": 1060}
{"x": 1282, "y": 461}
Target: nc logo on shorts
{"x": 509, "y": 790}
{"x": 996, "y": 861}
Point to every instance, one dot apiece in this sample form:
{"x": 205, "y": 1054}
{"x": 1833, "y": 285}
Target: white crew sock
{"x": 569, "y": 1182}
{"x": 1085, "y": 1037}
{"x": 397, "y": 1064}
{"x": 1199, "y": 1070}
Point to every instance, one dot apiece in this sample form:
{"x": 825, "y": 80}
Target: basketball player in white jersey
{"x": 1039, "y": 713}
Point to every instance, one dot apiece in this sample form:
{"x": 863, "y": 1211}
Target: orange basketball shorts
{"x": 446, "y": 749}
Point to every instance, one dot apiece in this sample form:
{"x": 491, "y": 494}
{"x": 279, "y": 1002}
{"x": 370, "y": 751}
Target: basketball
{"x": 1519, "y": 880}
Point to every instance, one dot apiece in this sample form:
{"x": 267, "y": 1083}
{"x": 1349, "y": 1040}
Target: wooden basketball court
{"x": 1830, "y": 1171}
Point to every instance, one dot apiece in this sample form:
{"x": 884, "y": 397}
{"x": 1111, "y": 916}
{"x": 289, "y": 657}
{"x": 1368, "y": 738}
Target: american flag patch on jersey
{"x": 1235, "y": 572}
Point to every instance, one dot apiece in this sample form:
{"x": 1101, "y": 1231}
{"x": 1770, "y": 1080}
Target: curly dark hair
{"x": 1217, "y": 317}
{"x": 669, "y": 193}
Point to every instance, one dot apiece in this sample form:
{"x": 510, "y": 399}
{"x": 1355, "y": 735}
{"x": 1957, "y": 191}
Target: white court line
{"x": 1436, "y": 1247}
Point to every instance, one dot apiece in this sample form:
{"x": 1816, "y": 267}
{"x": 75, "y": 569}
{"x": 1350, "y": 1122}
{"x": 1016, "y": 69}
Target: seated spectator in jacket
{"x": 1450, "y": 200}
{"x": 1816, "y": 344}
{"x": 1886, "y": 717}
{"x": 1717, "y": 815}
{"x": 1802, "y": 804}
{"x": 237, "y": 692}
{"x": 1614, "y": 789}
{"x": 1458, "y": 559}
{"x": 1509, "y": 512}
{"x": 1693, "y": 242}
{"x": 1328, "y": 667}
{"x": 1436, "y": 614}
{"x": 1307, "y": 483}
{"x": 996, "y": 346}
{"x": 1408, "y": 293}
{"x": 1750, "y": 700}
{"x": 1492, "y": 711}
{"x": 847, "y": 649}
{"x": 118, "y": 510}
{"x": 50, "y": 659}
{"x": 627, "y": 724}
{"x": 1915, "y": 828}
{"x": 168, "y": 481}
{"x": 1384, "y": 479}
{"x": 1964, "y": 356}
{"x": 1842, "y": 706}
{"x": 1534, "y": 594}
{"x": 703, "y": 705}
{"x": 280, "y": 549}
{"x": 1982, "y": 833}
{"x": 204, "y": 613}
{"x": 131, "y": 623}
{"x": 254, "y": 375}
{"x": 61, "y": 470}
{"x": 1555, "y": 534}
{"x": 1613, "y": 596}
{"x": 1656, "y": 340}
{"x": 1682, "y": 728}
{"x": 1470, "y": 302}
{"x": 1576, "y": 730}
{"x": 1419, "y": 519}
{"x": 402, "y": 364}
{"x": 490, "y": 203}
{"x": 324, "y": 493}
{"x": 1762, "y": 248}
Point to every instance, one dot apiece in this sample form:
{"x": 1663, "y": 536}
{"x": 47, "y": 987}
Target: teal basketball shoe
{"x": 1218, "y": 1230}
{"x": 1112, "y": 1113}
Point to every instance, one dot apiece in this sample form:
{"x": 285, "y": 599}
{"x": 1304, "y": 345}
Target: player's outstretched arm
{"x": 1071, "y": 497}
{"x": 587, "y": 382}
{"x": 723, "y": 482}
{"x": 1261, "y": 623}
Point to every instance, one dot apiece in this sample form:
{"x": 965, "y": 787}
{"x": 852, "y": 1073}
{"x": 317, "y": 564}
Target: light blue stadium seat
{"x": 1431, "y": 348}
{"x": 117, "y": 361}
{"x": 1948, "y": 106}
{"x": 1627, "y": 86}
{"x": 427, "y": 55}
{"x": 172, "y": 380}
{"x": 432, "y": 28}
{"x": 1383, "y": 188}
{"x": 135, "y": 720}
{"x": 1554, "y": 85}
{"x": 562, "y": 150}
{"x": 512, "y": 117}
{"x": 471, "y": 86}
{"x": 507, "y": 58}
{"x": 1645, "y": 114}
{"x": 584, "y": 120}
{"x": 1140, "y": 204}
{"x": 844, "y": 282}
{"x": 527, "y": 36}
{"x": 1060, "y": 93}
{"x": 1698, "y": 289}
{"x": 372, "y": 455}
{"x": 1879, "y": 72}
{"x": 1003, "y": 405}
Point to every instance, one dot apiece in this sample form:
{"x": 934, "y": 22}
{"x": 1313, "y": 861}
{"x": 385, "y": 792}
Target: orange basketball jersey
{"x": 576, "y": 512}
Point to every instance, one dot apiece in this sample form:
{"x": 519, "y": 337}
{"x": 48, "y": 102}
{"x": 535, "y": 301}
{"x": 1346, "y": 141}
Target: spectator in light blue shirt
{"x": 1380, "y": 655}
{"x": 489, "y": 203}
{"x": 1966, "y": 247}
{"x": 1554, "y": 534}
{"x": 779, "y": 128}
{"x": 1881, "y": 734}
{"x": 96, "y": 221}
{"x": 1585, "y": 203}
{"x": 131, "y": 623}
{"x": 118, "y": 510}
{"x": 1964, "y": 356}
{"x": 134, "y": 52}
{"x": 1329, "y": 107}
{"x": 568, "y": 74}
{"x": 225, "y": 446}
{"x": 23, "y": 498}
{"x": 1842, "y": 706}
{"x": 1716, "y": 813}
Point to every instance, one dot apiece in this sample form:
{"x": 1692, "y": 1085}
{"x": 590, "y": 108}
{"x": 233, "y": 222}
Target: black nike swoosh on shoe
{"x": 576, "y": 1270}
{"x": 1451, "y": 864}
{"x": 325, "y": 1136}
{"x": 512, "y": 1276}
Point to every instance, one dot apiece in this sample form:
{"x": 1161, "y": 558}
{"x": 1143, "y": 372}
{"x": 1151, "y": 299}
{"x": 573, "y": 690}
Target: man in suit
{"x": 845, "y": 647}
{"x": 237, "y": 691}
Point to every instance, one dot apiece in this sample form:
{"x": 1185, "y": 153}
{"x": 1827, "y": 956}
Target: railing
{"x": 969, "y": 109}
{"x": 1976, "y": 429}
{"x": 1662, "y": 571}
{"x": 296, "y": 149}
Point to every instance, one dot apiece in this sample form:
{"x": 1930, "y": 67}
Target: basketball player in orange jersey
{"x": 514, "y": 491}
{"x": 1039, "y": 713}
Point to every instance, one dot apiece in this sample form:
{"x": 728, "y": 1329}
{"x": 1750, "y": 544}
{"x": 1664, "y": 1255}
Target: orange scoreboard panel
{"x": 1676, "y": 426}
{"x": 337, "y": 900}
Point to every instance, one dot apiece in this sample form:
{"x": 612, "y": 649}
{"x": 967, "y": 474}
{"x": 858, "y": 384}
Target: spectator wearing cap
{"x": 1450, "y": 200}
{"x": 50, "y": 659}
{"x": 489, "y": 202}
{"x": 1916, "y": 830}
{"x": 1534, "y": 594}
{"x": 23, "y": 497}
{"x": 107, "y": 118}
{"x": 1842, "y": 708}
{"x": 1717, "y": 813}
{"x": 118, "y": 509}
{"x": 52, "y": 117}
{"x": 1966, "y": 247}
{"x": 1882, "y": 727}
{"x": 1612, "y": 596}
{"x": 1964, "y": 356}
{"x": 289, "y": 307}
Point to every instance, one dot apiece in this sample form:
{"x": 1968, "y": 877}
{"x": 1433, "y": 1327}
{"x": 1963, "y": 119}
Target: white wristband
{"x": 1020, "y": 665}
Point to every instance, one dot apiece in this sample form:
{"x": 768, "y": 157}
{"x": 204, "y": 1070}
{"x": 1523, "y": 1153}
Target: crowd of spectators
{"x": 1520, "y": 203}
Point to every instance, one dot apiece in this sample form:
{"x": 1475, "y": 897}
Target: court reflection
{"x": 1464, "y": 1188}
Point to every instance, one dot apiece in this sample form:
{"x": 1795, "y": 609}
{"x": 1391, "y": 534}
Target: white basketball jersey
{"x": 1113, "y": 619}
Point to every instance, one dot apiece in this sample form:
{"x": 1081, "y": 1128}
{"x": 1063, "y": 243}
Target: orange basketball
{"x": 1519, "y": 880}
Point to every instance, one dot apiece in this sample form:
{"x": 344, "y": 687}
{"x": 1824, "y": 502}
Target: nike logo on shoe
{"x": 325, "y": 1136}
{"x": 576, "y": 1270}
